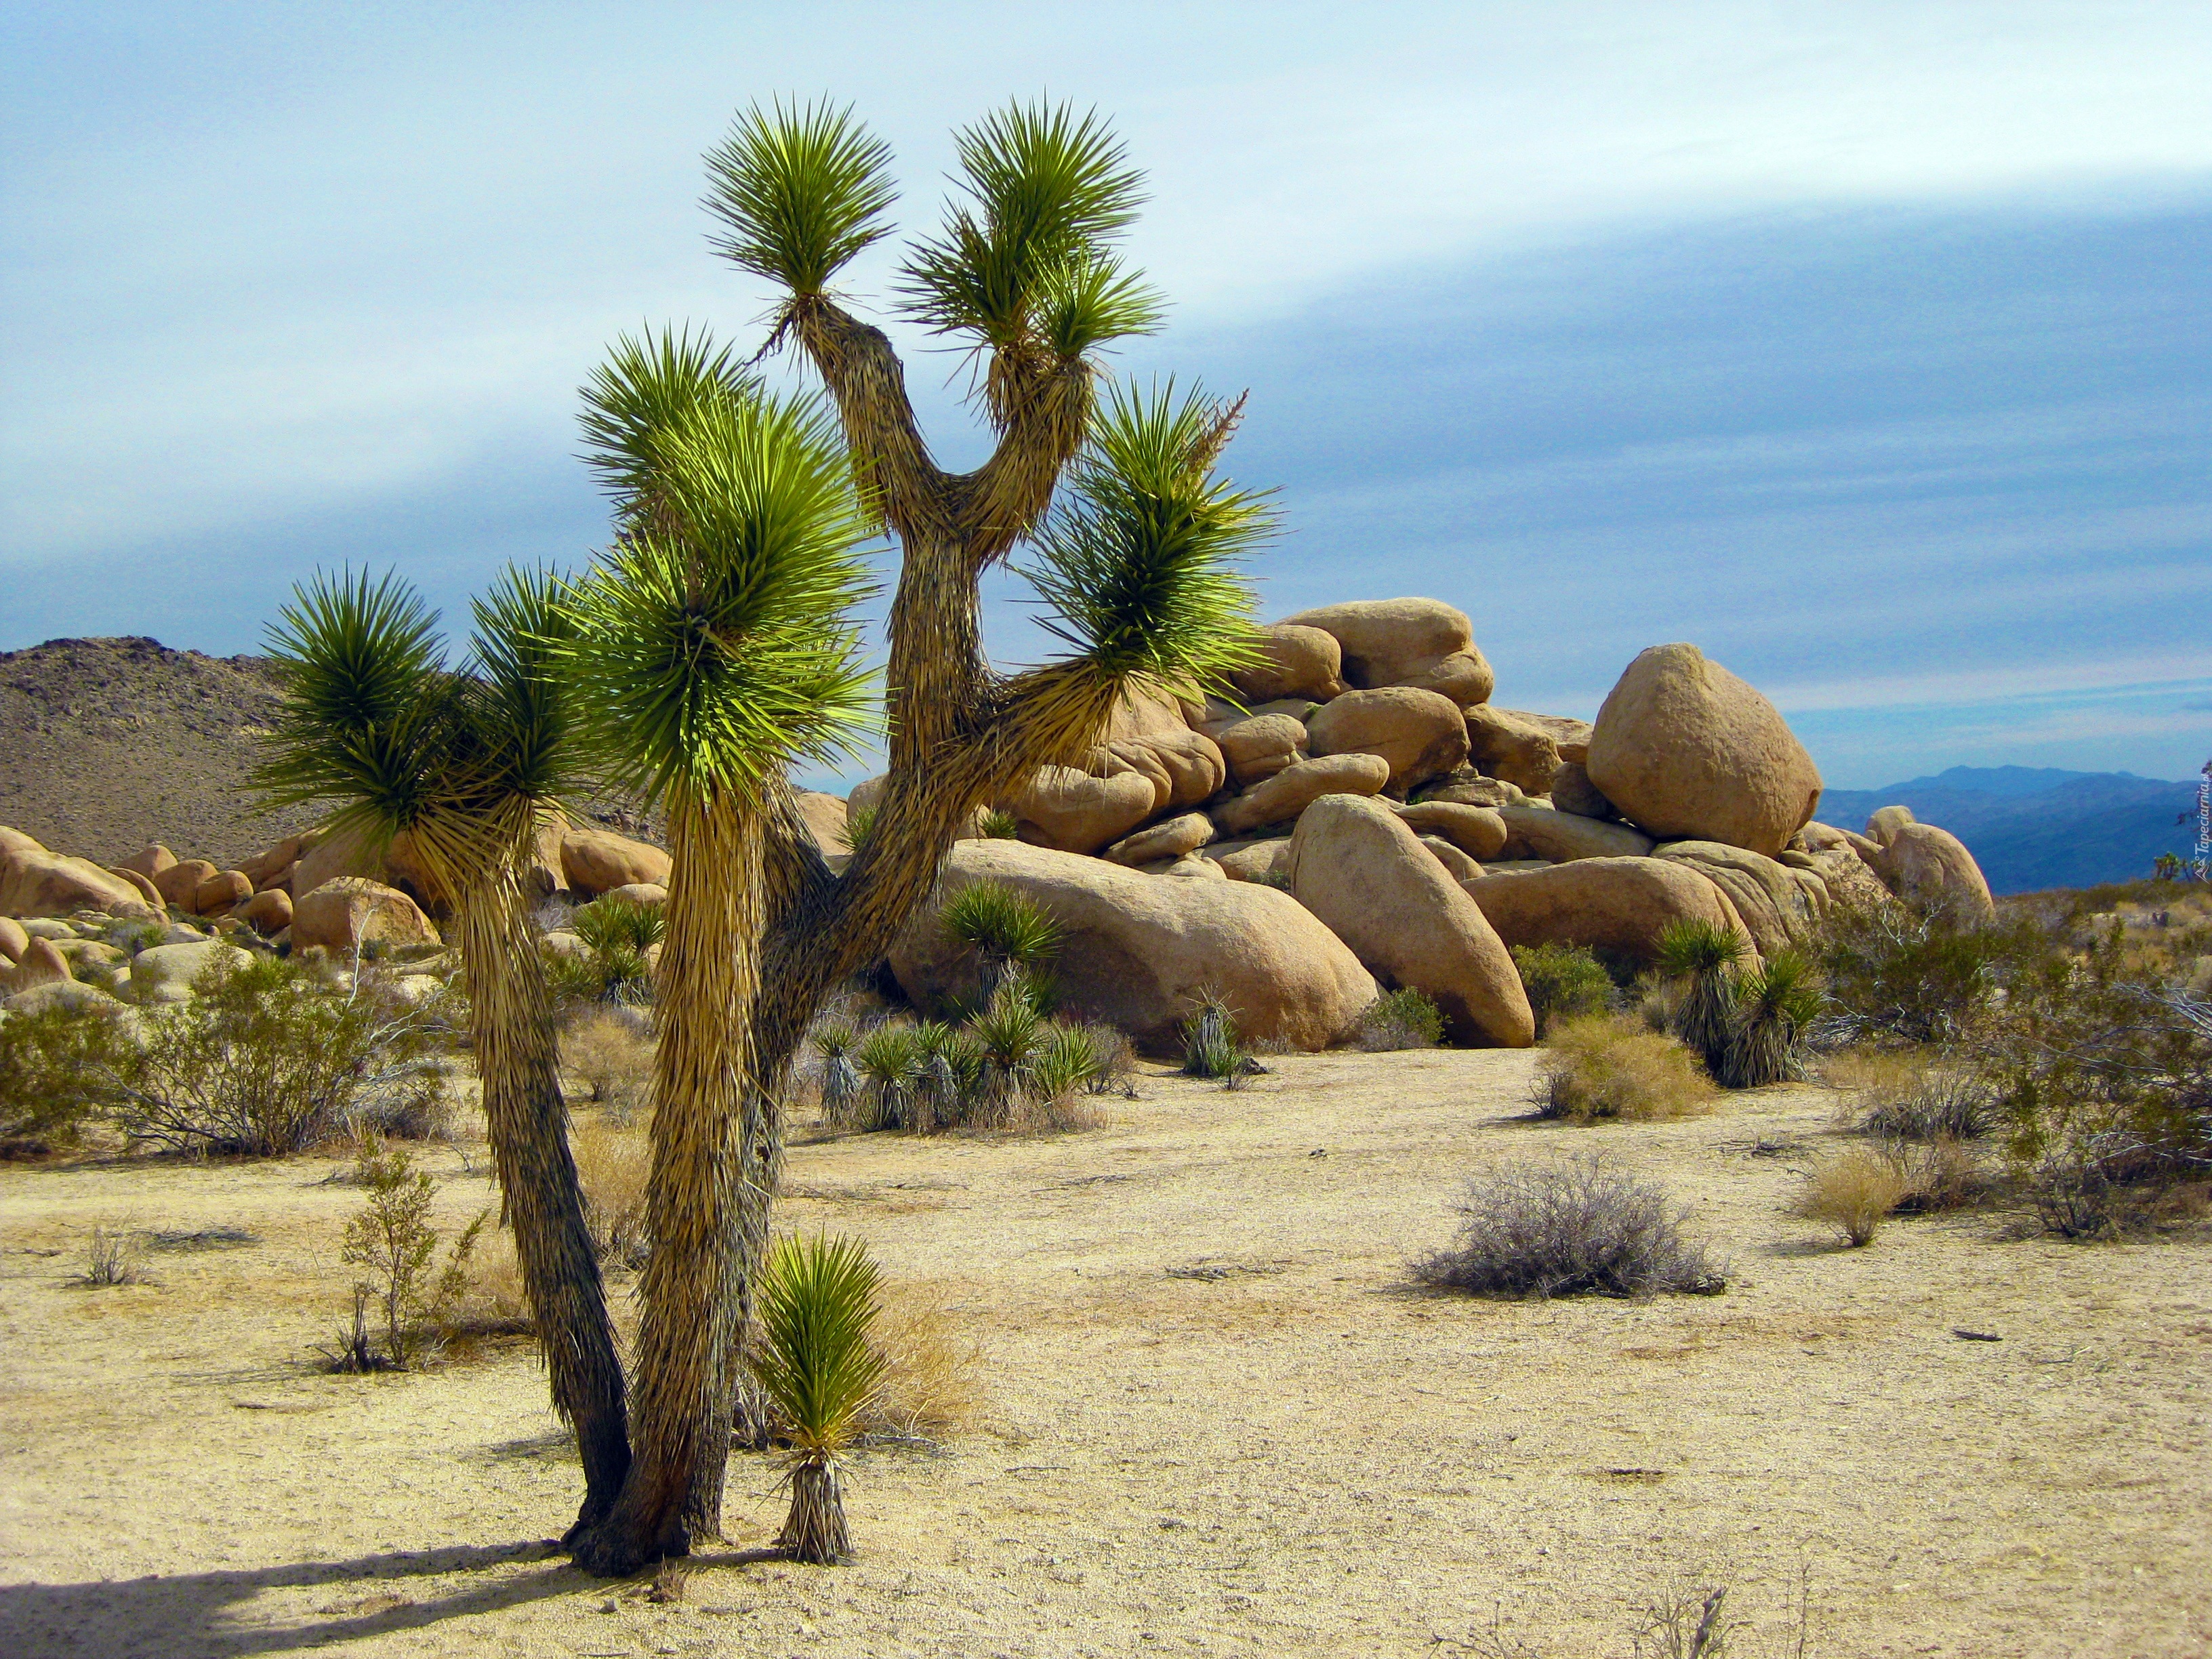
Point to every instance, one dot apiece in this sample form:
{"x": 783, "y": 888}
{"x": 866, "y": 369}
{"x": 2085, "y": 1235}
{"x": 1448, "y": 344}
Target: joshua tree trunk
{"x": 517, "y": 1057}
{"x": 685, "y": 1358}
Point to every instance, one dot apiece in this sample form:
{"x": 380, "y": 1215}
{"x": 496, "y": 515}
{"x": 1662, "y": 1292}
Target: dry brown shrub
{"x": 492, "y": 1303}
{"x": 933, "y": 1375}
{"x": 611, "y": 1051}
{"x": 1938, "y": 1174}
{"x": 1606, "y": 1066}
{"x": 613, "y": 1162}
{"x": 1854, "y": 1192}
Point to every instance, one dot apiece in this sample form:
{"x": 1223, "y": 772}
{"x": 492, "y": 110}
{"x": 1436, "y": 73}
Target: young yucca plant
{"x": 841, "y": 1079}
{"x": 821, "y": 1374}
{"x": 937, "y": 1094}
{"x": 888, "y": 1058}
{"x": 859, "y": 824}
{"x": 1069, "y": 1059}
{"x": 1008, "y": 1033}
{"x": 1006, "y": 930}
{"x": 1210, "y": 1047}
{"x": 1705, "y": 955}
{"x": 1774, "y": 1004}
{"x": 606, "y": 923}
{"x": 999, "y": 825}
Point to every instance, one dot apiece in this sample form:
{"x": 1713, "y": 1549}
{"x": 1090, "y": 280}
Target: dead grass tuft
{"x": 1604, "y": 1065}
{"x": 1854, "y": 1191}
{"x": 933, "y": 1375}
{"x": 613, "y": 1162}
{"x": 111, "y": 1258}
{"x": 609, "y": 1049}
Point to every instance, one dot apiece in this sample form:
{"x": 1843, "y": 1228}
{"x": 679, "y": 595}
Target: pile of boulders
{"x": 1360, "y": 817}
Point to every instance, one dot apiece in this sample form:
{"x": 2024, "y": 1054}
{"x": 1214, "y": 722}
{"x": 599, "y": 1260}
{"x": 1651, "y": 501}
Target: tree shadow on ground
{"x": 196, "y": 1615}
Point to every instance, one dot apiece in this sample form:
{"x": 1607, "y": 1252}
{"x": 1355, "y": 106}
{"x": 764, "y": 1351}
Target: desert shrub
{"x": 1117, "y": 1061}
{"x": 998, "y": 824}
{"x": 1567, "y": 1228}
{"x": 394, "y": 1243}
{"x": 1603, "y": 1066}
{"x": 1702, "y": 957}
{"x": 1775, "y": 1003}
{"x": 613, "y": 1163}
{"x": 1564, "y": 983}
{"x": 1275, "y": 878}
{"x": 821, "y": 1376}
{"x": 842, "y": 1094}
{"x": 617, "y": 933}
{"x": 1915, "y": 1097}
{"x": 931, "y": 1384}
{"x": 1209, "y": 1044}
{"x": 610, "y": 1050}
{"x": 1854, "y": 1191}
{"x": 54, "y": 1076}
{"x": 1401, "y": 1019}
{"x": 260, "y": 1063}
{"x": 887, "y": 1058}
{"x": 1008, "y": 1036}
{"x": 1937, "y": 1173}
{"x": 1054, "y": 1084}
{"x": 111, "y": 1258}
{"x": 949, "y": 1065}
{"x": 1004, "y": 928}
{"x": 493, "y": 1303}
{"x": 1925, "y": 975}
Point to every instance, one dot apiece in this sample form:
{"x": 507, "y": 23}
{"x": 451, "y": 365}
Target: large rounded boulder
{"x": 1420, "y": 642}
{"x": 1295, "y": 661}
{"x": 1072, "y": 811}
{"x": 1357, "y": 865}
{"x": 1421, "y": 733}
{"x": 1931, "y": 868}
{"x": 1507, "y": 746}
{"x": 1290, "y": 790}
{"x": 1689, "y": 752}
{"x": 1622, "y": 905}
{"x": 1137, "y": 952}
{"x": 344, "y": 915}
{"x": 1781, "y": 906}
{"x": 35, "y": 882}
{"x": 596, "y": 862}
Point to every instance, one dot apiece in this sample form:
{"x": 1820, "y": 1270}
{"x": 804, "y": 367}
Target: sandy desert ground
{"x": 1301, "y": 1454}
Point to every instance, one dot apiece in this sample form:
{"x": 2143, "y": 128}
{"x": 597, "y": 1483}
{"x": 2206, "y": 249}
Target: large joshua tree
{"x": 465, "y": 763}
{"x": 1136, "y": 564}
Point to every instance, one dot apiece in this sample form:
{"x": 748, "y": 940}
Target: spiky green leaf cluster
{"x": 999, "y": 923}
{"x": 801, "y": 191}
{"x": 713, "y": 641}
{"x": 1690, "y": 946}
{"x": 815, "y": 1362}
{"x": 1026, "y": 263}
{"x": 1139, "y": 561}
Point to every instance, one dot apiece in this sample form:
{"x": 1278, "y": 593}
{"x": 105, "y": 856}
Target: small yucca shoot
{"x": 1707, "y": 956}
{"x": 939, "y": 1100}
{"x": 1774, "y": 1004}
{"x": 1067, "y": 1061}
{"x": 998, "y": 824}
{"x": 1007, "y": 1033}
{"x": 821, "y": 1374}
{"x": 1210, "y": 1047}
{"x": 1006, "y": 929}
{"x": 840, "y": 1078}
{"x": 887, "y": 1057}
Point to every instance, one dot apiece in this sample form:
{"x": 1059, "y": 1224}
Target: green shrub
{"x": 54, "y": 1076}
{"x": 618, "y": 933}
{"x": 1604, "y": 1065}
{"x": 859, "y": 821}
{"x": 1564, "y": 983}
{"x": 888, "y": 1059}
{"x": 261, "y": 1062}
{"x": 393, "y": 1242}
{"x": 1210, "y": 1045}
{"x": 1926, "y": 977}
{"x": 1401, "y": 1019}
{"x": 998, "y": 824}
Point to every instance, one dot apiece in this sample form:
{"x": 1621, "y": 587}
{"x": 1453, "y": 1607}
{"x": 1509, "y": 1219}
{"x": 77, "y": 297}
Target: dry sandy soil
{"x": 1302, "y": 1456}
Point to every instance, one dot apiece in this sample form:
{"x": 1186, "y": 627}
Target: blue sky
{"x": 1866, "y": 345}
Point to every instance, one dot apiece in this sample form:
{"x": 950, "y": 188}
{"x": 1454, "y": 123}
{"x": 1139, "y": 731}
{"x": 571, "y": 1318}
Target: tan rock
{"x": 1420, "y": 733}
{"x": 64, "y": 994}
{"x": 180, "y": 884}
{"x": 343, "y": 915}
{"x": 1478, "y": 831}
{"x": 172, "y": 973}
{"x": 1542, "y": 832}
{"x": 264, "y": 868}
{"x": 1169, "y": 839}
{"x": 1931, "y": 868}
{"x": 1299, "y": 662}
{"x": 1136, "y": 952}
{"x": 866, "y": 795}
{"x": 598, "y": 861}
{"x": 1885, "y": 824}
{"x": 1290, "y": 790}
{"x": 1189, "y": 864}
{"x": 13, "y": 941}
{"x": 1776, "y": 904}
{"x": 35, "y": 882}
{"x": 1827, "y": 838}
{"x": 1186, "y": 766}
{"x": 649, "y": 893}
{"x": 150, "y": 860}
{"x": 1422, "y": 642}
{"x": 1249, "y": 860}
{"x": 148, "y": 894}
{"x": 826, "y": 821}
{"x": 1072, "y": 811}
{"x": 1611, "y": 904}
{"x": 1466, "y": 788}
{"x": 1358, "y": 868}
{"x": 269, "y": 911}
{"x": 42, "y": 963}
{"x": 1256, "y": 749}
{"x": 220, "y": 892}
{"x": 1456, "y": 864}
{"x": 1689, "y": 752}
{"x": 1570, "y": 736}
{"x": 1573, "y": 791}
{"x": 1507, "y": 747}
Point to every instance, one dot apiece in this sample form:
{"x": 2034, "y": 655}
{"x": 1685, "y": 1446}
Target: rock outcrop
{"x": 1419, "y": 643}
{"x": 1420, "y": 733}
{"x": 1297, "y": 662}
{"x": 344, "y": 915}
{"x": 1612, "y": 904}
{"x": 1290, "y": 790}
{"x": 36, "y": 881}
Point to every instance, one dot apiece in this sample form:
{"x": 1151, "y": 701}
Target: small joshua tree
{"x": 835, "y": 1041}
{"x": 820, "y": 1375}
{"x": 1006, "y": 929}
{"x": 1706, "y": 955}
{"x": 1775, "y": 1003}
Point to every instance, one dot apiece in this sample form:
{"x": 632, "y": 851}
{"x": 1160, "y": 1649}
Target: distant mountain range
{"x": 2037, "y": 827}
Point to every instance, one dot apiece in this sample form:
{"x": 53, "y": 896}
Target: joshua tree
{"x": 465, "y": 764}
{"x": 1775, "y": 1002}
{"x": 1706, "y": 955}
{"x": 1006, "y": 929}
{"x": 1136, "y": 562}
